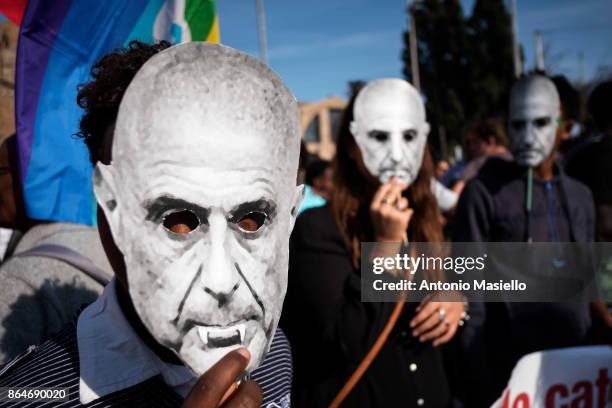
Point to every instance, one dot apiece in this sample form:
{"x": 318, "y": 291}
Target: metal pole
{"x": 515, "y": 45}
{"x": 414, "y": 52}
{"x": 581, "y": 68}
{"x": 261, "y": 31}
{"x": 539, "y": 51}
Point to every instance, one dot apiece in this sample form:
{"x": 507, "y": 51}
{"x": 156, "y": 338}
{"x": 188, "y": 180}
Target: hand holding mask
{"x": 217, "y": 387}
{"x": 390, "y": 212}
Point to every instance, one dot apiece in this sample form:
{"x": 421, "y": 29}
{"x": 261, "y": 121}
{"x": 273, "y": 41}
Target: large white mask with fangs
{"x": 201, "y": 199}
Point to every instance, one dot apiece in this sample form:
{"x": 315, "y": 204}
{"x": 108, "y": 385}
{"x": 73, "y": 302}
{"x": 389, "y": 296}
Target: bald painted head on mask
{"x": 390, "y": 129}
{"x": 535, "y": 112}
{"x": 201, "y": 199}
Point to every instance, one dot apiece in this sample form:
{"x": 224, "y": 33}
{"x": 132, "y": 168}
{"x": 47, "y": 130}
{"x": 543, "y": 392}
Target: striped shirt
{"x": 55, "y": 364}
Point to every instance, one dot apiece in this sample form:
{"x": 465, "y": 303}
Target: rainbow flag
{"x": 59, "y": 41}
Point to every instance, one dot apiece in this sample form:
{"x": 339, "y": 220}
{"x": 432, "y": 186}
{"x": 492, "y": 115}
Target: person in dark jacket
{"x": 330, "y": 328}
{"x": 591, "y": 163}
{"x": 496, "y": 206}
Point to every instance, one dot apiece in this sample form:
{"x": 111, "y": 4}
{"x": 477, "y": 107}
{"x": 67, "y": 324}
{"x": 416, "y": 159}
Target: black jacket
{"x": 492, "y": 209}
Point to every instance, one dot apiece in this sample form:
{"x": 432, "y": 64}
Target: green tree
{"x": 491, "y": 58}
{"x": 443, "y": 66}
{"x": 465, "y": 65}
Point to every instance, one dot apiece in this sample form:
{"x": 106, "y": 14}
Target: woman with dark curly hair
{"x": 382, "y": 193}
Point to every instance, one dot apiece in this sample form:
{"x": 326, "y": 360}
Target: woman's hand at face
{"x": 218, "y": 388}
{"x": 436, "y": 321}
{"x": 390, "y": 212}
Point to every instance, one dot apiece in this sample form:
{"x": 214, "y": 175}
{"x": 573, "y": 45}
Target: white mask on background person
{"x": 201, "y": 199}
{"x": 390, "y": 129}
{"x": 535, "y": 113}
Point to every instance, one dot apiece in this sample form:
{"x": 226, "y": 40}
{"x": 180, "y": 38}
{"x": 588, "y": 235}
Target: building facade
{"x": 319, "y": 122}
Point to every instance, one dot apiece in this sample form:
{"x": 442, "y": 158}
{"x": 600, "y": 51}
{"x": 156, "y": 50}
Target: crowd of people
{"x": 201, "y": 228}
{"x": 491, "y": 183}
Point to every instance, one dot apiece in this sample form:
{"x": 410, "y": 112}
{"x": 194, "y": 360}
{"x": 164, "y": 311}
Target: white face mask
{"x": 534, "y": 118}
{"x": 206, "y": 139}
{"x": 390, "y": 129}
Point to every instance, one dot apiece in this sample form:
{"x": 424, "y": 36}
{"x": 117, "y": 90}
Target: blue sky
{"x": 319, "y": 45}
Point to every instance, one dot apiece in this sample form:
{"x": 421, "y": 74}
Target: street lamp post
{"x": 539, "y": 51}
{"x": 261, "y": 31}
{"x": 414, "y": 52}
{"x": 515, "y": 45}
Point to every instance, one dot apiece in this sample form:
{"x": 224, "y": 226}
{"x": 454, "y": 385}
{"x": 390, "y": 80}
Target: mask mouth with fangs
{"x": 402, "y": 174}
{"x": 202, "y": 185}
{"x": 215, "y": 337}
{"x": 229, "y": 334}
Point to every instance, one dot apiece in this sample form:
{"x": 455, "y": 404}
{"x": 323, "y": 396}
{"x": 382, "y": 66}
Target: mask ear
{"x": 353, "y": 128}
{"x": 426, "y": 128}
{"x": 297, "y": 201}
{"x": 104, "y": 189}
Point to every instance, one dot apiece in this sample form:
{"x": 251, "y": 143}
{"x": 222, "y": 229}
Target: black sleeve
{"x": 472, "y": 222}
{"x": 323, "y": 309}
{"x": 591, "y": 217}
{"x": 578, "y": 166}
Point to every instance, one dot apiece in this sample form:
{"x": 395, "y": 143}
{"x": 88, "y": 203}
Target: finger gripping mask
{"x": 390, "y": 130}
{"x": 200, "y": 197}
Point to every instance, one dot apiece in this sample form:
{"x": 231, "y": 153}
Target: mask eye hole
{"x": 379, "y": 135}
{"x": 252, "y": 221}
{"x": 517, "y": 124}
{"x": 541, "y": 122}
{"x": 410, "y": 135}
{"x": 181, "y": 221}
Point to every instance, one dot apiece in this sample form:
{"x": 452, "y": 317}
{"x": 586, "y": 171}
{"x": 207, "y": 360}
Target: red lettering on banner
{"x": 506, "y": 400}
{"x": 602, "y": 386}
{"x": 584, "y": 400}
{"x": 558, "y": 395}
{"x": 550, "y": 396}
{"x": 523, "y": 398}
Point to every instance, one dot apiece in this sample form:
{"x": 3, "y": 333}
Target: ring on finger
{"x": 441, "y": 314}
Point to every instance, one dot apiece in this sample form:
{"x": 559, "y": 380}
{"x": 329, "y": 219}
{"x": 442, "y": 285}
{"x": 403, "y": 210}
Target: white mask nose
{"x": 396, "y": 149}
{"x": 530, "y": 137}
{"x": 219, "y": 276}
{"x": 524, "y": 137}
